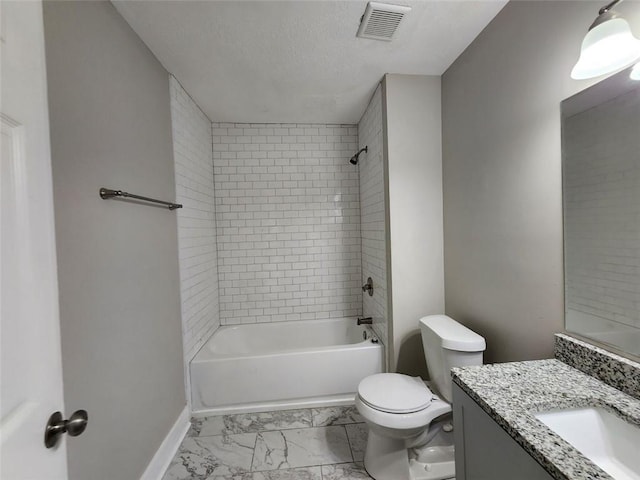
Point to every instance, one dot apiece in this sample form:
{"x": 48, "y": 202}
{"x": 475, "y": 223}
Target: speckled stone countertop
{"x": 511, "y": 392}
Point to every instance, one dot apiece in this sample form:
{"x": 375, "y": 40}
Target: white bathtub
{"x": 267, "y": 366}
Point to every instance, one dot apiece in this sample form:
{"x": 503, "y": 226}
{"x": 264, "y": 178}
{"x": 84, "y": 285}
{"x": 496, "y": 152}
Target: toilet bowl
{"x": 399, "y": 409}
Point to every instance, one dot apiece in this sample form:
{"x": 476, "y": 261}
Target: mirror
{"x": 601, "y": 206}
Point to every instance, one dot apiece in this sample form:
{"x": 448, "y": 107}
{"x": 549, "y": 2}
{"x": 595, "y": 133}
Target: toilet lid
{"x": 395, "y": 393}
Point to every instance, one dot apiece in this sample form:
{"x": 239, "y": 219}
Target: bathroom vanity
{"x": 498, "y": 436}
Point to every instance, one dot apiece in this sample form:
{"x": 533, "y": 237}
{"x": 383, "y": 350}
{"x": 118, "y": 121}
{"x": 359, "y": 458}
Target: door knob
{"x": 56, "y": 426}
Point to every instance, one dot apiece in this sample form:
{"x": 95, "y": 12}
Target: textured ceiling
{"x": 296, "y": 61}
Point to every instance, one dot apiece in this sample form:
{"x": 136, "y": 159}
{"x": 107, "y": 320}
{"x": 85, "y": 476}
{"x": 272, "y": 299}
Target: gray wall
{"x": 502, "y": 174}
{"x": 414, "y": 168}
{"x": 118, "y": 262}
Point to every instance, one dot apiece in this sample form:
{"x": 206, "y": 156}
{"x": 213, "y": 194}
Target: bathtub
{"x": 266, "y": 366}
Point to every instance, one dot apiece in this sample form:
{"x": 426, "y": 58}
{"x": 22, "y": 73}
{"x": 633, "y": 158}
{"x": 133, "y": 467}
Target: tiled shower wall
{"x": 196, "y": 221}
{"x": 602, "y": 205}
{"x": 288, "y": 222}
{"x": 372, "y": 207}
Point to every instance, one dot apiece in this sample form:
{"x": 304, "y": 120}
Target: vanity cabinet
{"x": 483, "y": 450}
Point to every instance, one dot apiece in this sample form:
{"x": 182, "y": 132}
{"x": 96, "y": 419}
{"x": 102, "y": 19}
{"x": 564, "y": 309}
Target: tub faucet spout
{"x": 365, "y": 320}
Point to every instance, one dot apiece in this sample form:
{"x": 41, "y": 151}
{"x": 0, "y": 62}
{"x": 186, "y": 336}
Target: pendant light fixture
{"x": 608, "y": 46}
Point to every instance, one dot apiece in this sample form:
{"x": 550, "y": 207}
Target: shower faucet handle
{"x": 368, "y": 286}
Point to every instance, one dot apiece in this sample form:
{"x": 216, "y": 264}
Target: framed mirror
{"x": 601, "y": 207}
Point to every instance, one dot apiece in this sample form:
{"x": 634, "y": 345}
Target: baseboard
{"x": 161, "y": 460}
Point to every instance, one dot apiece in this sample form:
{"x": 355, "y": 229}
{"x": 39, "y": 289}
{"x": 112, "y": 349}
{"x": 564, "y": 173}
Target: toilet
{"x": 402, "y": 412}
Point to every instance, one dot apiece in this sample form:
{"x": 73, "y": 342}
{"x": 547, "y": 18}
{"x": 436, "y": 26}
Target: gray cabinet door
{"x": 484, "y": 451}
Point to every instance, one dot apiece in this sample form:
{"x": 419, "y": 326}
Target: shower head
{"x": 354, "y": 159}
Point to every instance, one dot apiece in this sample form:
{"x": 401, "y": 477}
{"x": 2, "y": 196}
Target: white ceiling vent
{"x": 381, "y": 21}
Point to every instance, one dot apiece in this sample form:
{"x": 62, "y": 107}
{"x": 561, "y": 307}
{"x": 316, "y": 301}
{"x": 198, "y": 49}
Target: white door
{"x": 31, "y": 366}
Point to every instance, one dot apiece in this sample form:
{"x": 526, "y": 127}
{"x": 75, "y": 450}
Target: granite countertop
{"x": 511, "y": 392}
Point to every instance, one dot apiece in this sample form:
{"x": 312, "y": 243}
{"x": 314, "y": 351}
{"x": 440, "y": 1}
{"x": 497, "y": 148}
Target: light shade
{"x": 608, "y": 46}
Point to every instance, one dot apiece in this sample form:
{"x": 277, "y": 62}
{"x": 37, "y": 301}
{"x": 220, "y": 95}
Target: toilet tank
{"x": 448, "y": 344}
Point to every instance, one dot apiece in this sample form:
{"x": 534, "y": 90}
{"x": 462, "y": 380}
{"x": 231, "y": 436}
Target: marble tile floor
{"x": 308, "y": 444}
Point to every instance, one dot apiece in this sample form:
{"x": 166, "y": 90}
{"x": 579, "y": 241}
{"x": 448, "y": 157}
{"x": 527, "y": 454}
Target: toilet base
{"x": 386, "y": 458}
{"x": 389, "y": 459}
{"x": 433, "y": 463}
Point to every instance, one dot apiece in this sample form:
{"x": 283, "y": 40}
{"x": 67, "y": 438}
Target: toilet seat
{"x": 395, "y": 393}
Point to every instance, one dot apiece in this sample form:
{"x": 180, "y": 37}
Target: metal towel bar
{"x": 106, "y": 193}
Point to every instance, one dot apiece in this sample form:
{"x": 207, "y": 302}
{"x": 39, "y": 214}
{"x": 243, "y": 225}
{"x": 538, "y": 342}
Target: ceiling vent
{"x": 381, "y": 21}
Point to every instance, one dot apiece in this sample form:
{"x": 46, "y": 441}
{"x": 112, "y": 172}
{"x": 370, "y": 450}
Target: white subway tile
{"x": 194, "y": 138}
{"x": 293, "y": 184}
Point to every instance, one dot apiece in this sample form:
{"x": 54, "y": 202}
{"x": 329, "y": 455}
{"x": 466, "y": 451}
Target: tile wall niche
{"x": 196, "y": 221}
{"x": 288, "y": 222}
{"x": 372, "y": 211}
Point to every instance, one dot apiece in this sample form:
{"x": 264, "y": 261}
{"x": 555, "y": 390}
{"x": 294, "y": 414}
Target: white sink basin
{"x": 606, "y": 440}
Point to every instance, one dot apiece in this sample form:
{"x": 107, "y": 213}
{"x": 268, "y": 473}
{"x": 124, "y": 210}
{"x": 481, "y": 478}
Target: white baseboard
{"x": 161, "y": 460}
